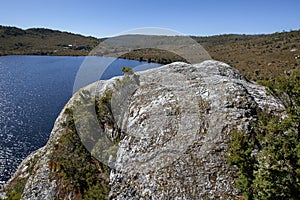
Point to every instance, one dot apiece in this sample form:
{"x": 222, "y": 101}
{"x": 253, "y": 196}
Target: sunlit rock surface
{"x": 171, "y": 128}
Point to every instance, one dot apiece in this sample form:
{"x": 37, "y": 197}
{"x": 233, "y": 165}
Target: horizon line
{"x": 127, "y": 32}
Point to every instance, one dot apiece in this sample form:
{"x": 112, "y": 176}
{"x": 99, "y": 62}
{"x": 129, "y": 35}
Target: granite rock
{"x": 173, "y": 127}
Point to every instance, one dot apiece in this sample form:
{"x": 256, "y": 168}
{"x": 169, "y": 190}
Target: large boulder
{"x": 170, "y": 127}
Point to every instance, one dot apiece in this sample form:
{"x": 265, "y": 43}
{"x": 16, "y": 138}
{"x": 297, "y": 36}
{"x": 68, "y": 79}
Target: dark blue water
{"x": 33, "y": 90}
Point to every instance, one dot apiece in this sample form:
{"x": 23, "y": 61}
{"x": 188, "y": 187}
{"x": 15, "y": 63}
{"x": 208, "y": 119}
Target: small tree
{"x": 127, "y": 70}
{"x": 240, "y": 152}
{"x": 274, "y": 171}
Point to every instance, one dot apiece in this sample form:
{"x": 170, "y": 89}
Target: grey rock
{"x": 178, "y": 127}
{"x": 175, "y": 123}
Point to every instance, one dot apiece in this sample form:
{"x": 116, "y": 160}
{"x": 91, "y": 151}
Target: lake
{"x": 33, "y": 90}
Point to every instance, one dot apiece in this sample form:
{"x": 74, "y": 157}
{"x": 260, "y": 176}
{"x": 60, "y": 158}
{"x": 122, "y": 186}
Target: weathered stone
{"x": 175, "y": 124}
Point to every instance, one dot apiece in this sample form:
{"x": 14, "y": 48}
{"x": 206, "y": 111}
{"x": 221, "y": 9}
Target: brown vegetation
{"x": 40, "y": 41}
{"x": 258, "y": 57}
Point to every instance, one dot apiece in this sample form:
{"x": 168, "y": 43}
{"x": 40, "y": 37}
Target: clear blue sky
{"x": 102, "y": 18}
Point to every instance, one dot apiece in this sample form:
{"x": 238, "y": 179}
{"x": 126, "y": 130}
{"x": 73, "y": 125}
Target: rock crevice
{"x": 174, "y": 129}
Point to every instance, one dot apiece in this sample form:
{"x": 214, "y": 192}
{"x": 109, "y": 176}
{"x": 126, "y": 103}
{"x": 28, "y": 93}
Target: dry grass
{"x": 261, "y": 57}
{"x": 258, "y": 57}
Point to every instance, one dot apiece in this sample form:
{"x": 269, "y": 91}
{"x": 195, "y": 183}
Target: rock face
{"x": 171, "y": 127}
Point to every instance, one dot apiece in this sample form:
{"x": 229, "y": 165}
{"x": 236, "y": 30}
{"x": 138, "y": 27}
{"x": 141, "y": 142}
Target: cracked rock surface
{"x": 178, "y": 126}
{"x": 175, "y": 126}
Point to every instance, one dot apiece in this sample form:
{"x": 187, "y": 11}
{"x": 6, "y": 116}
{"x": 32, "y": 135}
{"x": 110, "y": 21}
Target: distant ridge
{"x": 42, "y": 41}
{"x": 258, "y": 57}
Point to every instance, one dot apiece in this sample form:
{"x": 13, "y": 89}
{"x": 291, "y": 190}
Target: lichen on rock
{"x": 158, "y": 134}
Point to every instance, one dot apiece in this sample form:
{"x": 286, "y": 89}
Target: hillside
{"x": 40, "y": 41}
{"x": 258, "y": 57}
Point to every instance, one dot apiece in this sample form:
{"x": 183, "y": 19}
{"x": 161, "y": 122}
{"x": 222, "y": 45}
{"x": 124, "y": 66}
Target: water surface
{"x": 33, "y": 90}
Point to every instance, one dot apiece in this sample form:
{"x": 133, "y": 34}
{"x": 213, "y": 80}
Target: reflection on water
{"x": 33, "y": 90}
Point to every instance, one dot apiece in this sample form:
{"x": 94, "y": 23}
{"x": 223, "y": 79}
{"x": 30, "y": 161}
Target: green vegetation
{"x": 153, "y": 55}
{"x": 268, "y": 160}
{"x": 240, "y": 151}
{"x": 103, "y": 109}
{"x": 258, "y": 57}
{"x": 126, "y": 69}
{"x": 15, "y": 188}
{"x": 40, "y": 41}
{"x": 107, "y": 145}
{"x": 76, "y": 168}
{"x": 15, "y": 191}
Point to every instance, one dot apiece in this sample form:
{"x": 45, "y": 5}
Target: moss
{"x": 16, "y": 189}
{"x": 107, "y": 145}
{"x": 68, "y": 111}
{"x": 71, "y": 162}
{"x": 32, "y": 163}
{"x": 104, "y": 111}
{"x": 76, "y": 168}
{"x": 125, "y": 82}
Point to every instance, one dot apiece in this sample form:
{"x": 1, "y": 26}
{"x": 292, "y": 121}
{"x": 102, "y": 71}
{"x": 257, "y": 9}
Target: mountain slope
{"x": 258, "y": 57}
{"x": 40, "y": 41}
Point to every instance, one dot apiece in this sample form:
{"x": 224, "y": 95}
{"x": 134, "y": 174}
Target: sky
{"x": 104, "y": 18}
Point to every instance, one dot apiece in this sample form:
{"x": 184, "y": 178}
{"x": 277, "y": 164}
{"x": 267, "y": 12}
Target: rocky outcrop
{"x": 163, "y": 133}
